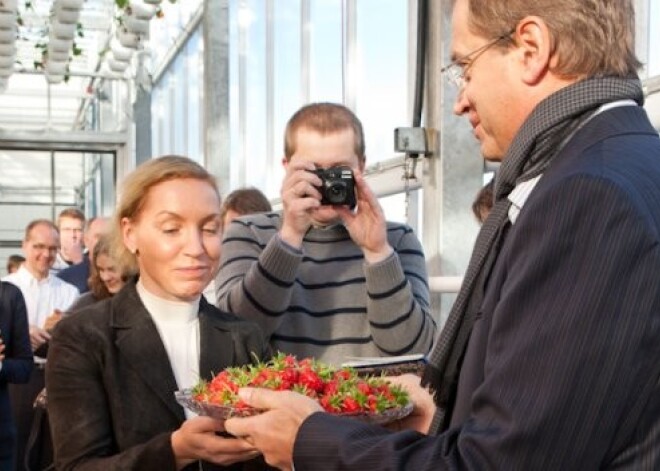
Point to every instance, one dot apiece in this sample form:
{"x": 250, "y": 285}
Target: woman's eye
{"x": 170, "y": 230}
{"x": 211, "y": 229}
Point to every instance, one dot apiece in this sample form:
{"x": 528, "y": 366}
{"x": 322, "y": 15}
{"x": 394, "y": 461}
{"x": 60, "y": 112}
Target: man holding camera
{"x": 326, "y": 280}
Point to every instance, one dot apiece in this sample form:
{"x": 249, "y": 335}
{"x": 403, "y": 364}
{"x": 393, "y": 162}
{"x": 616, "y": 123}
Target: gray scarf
{"x": 553, "y": 122}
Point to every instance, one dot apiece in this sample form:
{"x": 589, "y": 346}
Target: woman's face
{"x": 108, "y": 273}
{"x": 176, "y": 237}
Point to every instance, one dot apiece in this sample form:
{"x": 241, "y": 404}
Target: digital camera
{"x": 337, "y": 187}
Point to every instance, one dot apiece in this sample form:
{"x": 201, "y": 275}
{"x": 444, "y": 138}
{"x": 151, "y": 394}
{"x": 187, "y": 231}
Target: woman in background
{"x": 114, "y": 367}
{"x": 105, "y": 278}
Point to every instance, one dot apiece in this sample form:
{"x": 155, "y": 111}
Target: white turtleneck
{"x": 178, "y": 325}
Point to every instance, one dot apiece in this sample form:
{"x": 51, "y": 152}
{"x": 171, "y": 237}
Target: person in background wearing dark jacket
{"x": 78, "y": 274}
{"x": 15, "y": 364}
{"x": 550, "y": 357}
{"x": 113, "y": 367}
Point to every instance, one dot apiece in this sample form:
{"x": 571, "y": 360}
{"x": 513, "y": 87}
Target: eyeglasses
{"x": 456, "y": 69}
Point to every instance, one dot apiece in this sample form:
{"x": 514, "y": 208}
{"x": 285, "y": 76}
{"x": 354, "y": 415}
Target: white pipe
{"x": 445, "y": 284}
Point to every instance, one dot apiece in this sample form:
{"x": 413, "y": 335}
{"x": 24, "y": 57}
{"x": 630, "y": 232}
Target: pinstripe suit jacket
{"x": 562, "y": 370}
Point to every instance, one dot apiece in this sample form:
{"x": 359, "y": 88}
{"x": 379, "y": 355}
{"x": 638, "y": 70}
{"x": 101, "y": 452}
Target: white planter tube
{"x": 55, "y": 67}
{"x": 3, "y": 84}
{"x": 136, "y": 25}
{"x": 8, "y": 35}
{"x": 8, "y": 49}
{"x": 58, "y": 55}
{"x": 61, "y": 45}
{"x": 63, "y": 30}
{"x": 67, "y": 15}
{"x": 73, "y": 4}
{"x": 54, "y": 79}
{"x": 8, "y": 19}
{"x": 127, "y": 38}
{"x": 120, "y": 52}
{"x": 9, "y": 5}
{"x": 117, "y": 66}
{"x": 6, "y": 71}
{"x": 153, "y": 2}
{"x": 141, "y": 10}
{"x": 7, "y": 61}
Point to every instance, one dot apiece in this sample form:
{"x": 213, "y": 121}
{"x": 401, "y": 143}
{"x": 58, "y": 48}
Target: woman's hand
{"x": 196, "y": 439}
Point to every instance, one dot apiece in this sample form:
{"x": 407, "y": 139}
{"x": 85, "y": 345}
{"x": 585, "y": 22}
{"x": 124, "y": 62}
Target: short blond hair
{"x": 135, "y": 189}
{"x": 324, "y": 118}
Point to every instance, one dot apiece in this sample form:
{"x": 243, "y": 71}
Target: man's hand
{"x": 196, "y": 439}
{"x": 424, "y": 407}
{"x": 38, "y": 337}
{"x": 52, "y": 320}
{"x": 299, "y": 196}
{"x": 367, "y": 226}
{"x": 273, "y": 432}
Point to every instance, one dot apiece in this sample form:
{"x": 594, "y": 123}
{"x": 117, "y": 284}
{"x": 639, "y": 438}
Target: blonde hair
{"x": 589, "y": 37}
{"x": 96, "y": 284}
{"x": 134, "y": 191}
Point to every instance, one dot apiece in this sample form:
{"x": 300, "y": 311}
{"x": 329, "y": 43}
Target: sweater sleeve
{"x": 256, "y": 275}
{"x": 398, "y": 297}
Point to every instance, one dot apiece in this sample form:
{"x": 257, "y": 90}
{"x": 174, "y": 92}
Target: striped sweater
{"x": 325, "y": 301}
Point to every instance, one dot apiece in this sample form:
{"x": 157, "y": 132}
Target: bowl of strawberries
{"x": 340, "y": 391}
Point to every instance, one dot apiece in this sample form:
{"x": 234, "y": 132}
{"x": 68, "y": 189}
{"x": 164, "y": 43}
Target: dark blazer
{"x": 18, "y": 362}
{"x": 77, "y": 275}
{"x": 562, "y": 370}
{"x": 111, "y": 387}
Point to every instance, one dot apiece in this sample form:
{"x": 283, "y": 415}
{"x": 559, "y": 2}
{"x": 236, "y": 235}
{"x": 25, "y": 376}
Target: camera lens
{"x": 336, "y": 193}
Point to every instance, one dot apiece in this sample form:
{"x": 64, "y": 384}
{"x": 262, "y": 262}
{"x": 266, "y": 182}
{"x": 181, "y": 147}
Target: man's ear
{"x": 128, "y": 234}
{"x": 534, "y": 43}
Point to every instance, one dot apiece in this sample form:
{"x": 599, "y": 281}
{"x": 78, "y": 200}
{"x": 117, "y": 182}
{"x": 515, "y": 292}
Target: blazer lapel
{"x": 138, "y": 341}
{"x": 216, "y": 342}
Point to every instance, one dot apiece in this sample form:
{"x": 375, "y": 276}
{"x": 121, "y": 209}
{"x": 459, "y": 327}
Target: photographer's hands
{"x": 367, "y": 226}
{"x": 299, "y": 196}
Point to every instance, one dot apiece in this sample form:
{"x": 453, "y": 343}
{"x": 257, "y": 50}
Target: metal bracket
{"x": 412, "y": 141}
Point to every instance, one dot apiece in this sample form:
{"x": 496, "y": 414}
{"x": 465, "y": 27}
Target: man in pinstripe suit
{"x": 550, "y": 358}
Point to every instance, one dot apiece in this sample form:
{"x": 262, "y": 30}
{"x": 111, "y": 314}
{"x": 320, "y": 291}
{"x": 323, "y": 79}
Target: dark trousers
{"x": 22, "y": 403}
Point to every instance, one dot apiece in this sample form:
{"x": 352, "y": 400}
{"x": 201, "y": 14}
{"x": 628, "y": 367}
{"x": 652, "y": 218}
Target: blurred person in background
{"x": 46, "y": 297}
{"x": 114, "y": 366}
{"x": 78, "y": 274}
{"x": 240, "y": 202}
{"x": 106, "y": 277}
{"x": 70, "y": 223}
{"x": 14, "y": 262}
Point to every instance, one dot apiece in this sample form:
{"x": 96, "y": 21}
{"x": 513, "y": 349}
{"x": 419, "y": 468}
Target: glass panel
{"x": 382, "y": 67}
{"x": 326, "y": 50}
{"x": 287, "y": 86}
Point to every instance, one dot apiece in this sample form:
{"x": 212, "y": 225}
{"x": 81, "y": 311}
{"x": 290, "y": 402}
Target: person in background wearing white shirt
{"x": 46, "y": 296}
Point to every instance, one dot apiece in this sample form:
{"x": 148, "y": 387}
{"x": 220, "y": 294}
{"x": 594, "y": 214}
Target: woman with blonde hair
{"x": 105, "y": 278}
{"x": 114, "y": 367}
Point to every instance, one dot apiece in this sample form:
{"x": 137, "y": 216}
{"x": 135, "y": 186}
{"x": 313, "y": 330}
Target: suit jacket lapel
{"x": 138, "y": 341}
{"x": 216, "y": 342}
